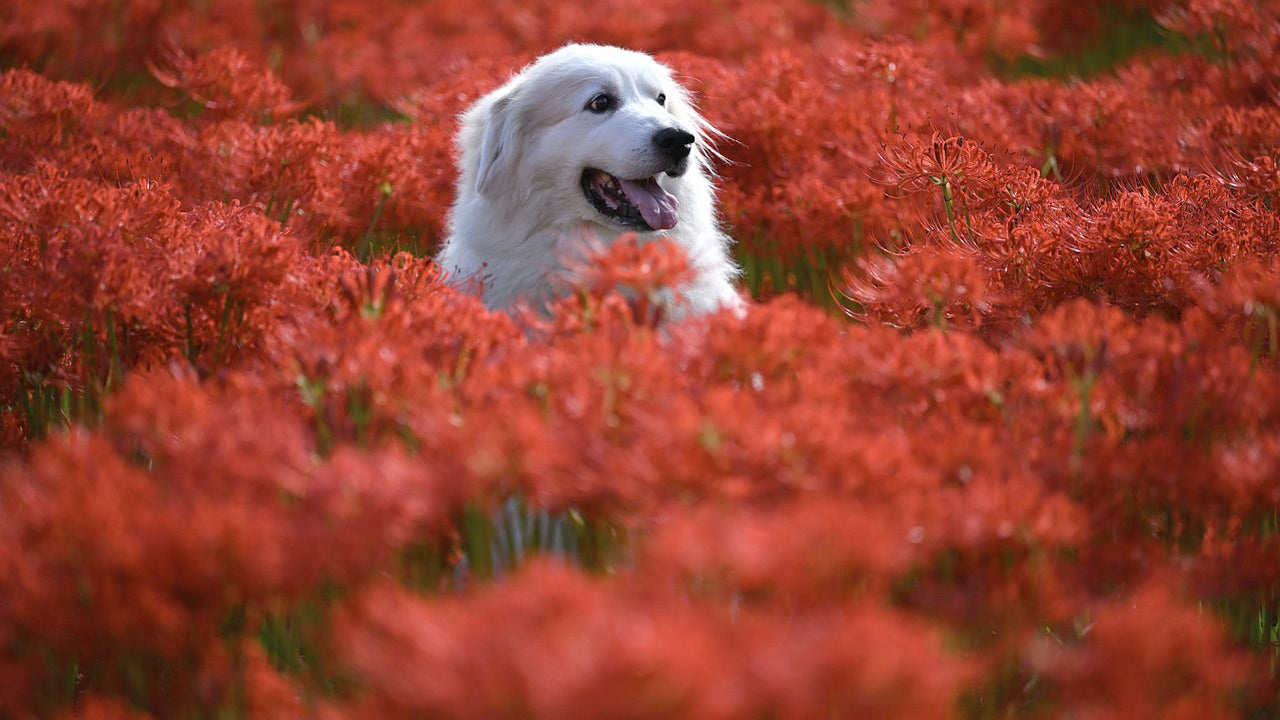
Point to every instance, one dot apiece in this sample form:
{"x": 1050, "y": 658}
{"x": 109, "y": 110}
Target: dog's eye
{"x": 662, "y": 99}
{"x": 600, "y": 103}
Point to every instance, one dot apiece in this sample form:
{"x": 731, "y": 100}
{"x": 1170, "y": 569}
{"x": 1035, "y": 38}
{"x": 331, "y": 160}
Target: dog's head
{"x": 605, "y": 131}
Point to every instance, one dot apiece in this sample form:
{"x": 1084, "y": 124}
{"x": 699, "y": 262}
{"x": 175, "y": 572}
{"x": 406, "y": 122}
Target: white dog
{"x": 586, "y": 143}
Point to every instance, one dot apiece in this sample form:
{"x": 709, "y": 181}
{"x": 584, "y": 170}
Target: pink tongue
{"x": 659, "y": 208}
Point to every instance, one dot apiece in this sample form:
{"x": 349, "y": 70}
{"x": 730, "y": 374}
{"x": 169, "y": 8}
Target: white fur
{"x": 520, "y": 208}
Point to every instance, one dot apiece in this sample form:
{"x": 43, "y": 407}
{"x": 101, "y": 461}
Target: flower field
{"x": 999, "y": 436}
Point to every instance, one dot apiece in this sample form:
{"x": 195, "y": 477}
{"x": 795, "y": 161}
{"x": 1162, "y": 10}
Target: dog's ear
{"x": 499, "y": 150}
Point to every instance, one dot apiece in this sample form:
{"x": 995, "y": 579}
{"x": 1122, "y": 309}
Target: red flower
{"x": 227, "y": 84}
{"x": 1183, "y": 670}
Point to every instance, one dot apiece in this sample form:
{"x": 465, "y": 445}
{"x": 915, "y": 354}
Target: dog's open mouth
{"x": 636, "y": 204}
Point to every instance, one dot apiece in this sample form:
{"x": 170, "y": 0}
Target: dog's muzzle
{"x": 635, "y": 204}
{"x": 674, "y": 143}
{"x": 641, "y": 203}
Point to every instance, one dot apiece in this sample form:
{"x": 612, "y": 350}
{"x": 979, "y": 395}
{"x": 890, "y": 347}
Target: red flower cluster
{"x": 262, "y": 459}
{"x": 571, "y": 646}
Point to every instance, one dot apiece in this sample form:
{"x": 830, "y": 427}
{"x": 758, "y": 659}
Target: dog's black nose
{"x": 674, "y": 142}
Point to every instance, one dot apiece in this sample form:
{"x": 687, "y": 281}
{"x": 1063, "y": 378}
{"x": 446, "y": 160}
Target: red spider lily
{"x": 42, "y": 113}
{"x": 955, "y": 167}
{"x": 795, "y": 555}
{"x": 87, "y": 562}
{"x": 943, "y": 288}
{"x": 1243, "y": 131}
{"x": 786, "y": 195}
{"x": 1185, "y": 670}
{"x": 399, "y": 183}
{"x": 60, "y": 124}
{"x": 1039, "y": 481}
{"x": 1231, "y": 25}
{"x": 1129, "y": 391}
{"x": 391, "y": 181}
{"x": 1247, "y": 301}
{"x": 178, "y": 516}
{"x": 121, "y": 277}
{"x": 226, "y": 83}
{"x": 1147, "y": 245}
{"x": 369, "y": 343}
{"x": 1259, "y": 176}
{"x": 268, "y": 693}
{"x": 331, "y": 186}
{"x": 97, "y": 707}
{"x": 1037, "y": 246}
{"x": 552, "y": 642}
{"x": 979, "y": 28}
{"x": 1234, "y": 568}
{"x": 284, "y": 168}
{"x": 817, "y": 552}
{"x": 648, "y": 276}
